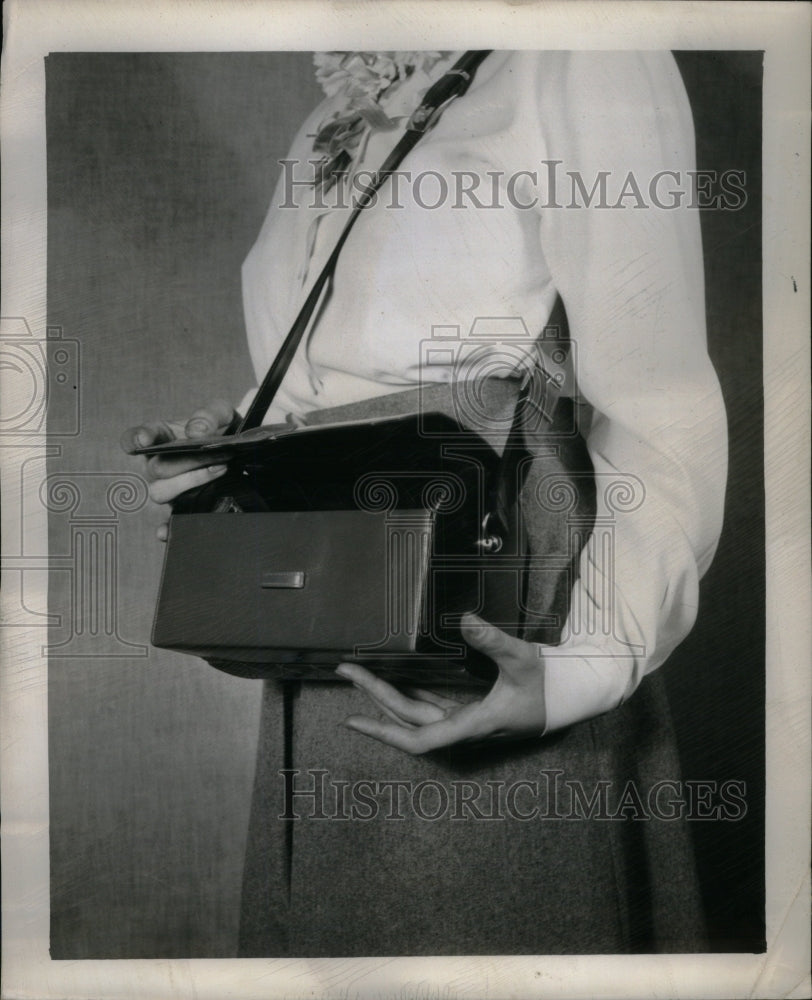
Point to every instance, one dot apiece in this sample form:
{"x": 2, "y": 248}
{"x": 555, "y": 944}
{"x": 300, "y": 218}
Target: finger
{"x": 414, "y": 706}
{"x": 401, "y": 719}
{"x": 389, "y": 698}
{"x": 167, "y": 467}
{"x": 431, "y": 696}
{"x": 164, "y": 490}
{"x": 209, "y": 419}
{"x": 469, "y": 723}
{"x": 388, "y": 711}
{"x": 144, "y": 435}
{"x": 490, "y": 640}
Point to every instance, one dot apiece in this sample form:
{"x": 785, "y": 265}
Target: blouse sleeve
{"x": 631, "y": 278}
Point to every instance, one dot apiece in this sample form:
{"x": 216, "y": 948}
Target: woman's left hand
{"x": 424, "y": 720}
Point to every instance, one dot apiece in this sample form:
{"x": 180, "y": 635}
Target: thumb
{"x": 209, "y": 419}
{"x": 489, "y": 639}
{"x": 145, "y": 435}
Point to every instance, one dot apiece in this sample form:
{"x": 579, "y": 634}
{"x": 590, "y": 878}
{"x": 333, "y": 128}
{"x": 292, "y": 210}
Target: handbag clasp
{"x": 283, "y": 581}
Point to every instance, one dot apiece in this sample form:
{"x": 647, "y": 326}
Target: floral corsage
{"x": 359, "y": 80}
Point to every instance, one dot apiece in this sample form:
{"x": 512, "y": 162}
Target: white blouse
{"x": 522, "y": 190}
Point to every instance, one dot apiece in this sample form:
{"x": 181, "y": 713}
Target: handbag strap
{"x": 451, "y": 85}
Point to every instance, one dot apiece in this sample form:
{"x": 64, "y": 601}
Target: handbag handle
{"x": 451, "y": 85}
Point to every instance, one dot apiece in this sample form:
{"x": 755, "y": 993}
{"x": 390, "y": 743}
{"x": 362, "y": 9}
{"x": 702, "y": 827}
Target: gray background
{"x": 160, "y": 170}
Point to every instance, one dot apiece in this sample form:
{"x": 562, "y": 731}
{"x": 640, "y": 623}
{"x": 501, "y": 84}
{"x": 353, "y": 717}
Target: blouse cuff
{"x": 581, "y": 682}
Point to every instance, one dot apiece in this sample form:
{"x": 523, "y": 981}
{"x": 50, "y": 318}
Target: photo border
{"x": 34, "y": 28}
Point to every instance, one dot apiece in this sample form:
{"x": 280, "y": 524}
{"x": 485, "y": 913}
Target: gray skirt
{"x": 484, "y": 851}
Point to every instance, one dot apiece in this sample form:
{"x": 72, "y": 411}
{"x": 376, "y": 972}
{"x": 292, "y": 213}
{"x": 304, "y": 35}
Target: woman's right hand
{"x": 168, "y": 476}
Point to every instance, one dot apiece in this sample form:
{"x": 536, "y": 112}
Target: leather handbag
{"x": 357, "y": 539}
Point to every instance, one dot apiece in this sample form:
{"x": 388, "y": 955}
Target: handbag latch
{"x": 283, "y": 581}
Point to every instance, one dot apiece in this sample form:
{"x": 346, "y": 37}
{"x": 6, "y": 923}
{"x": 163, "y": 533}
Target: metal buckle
{"x": 425, "y": 118}
{"x": 489, "y": 541}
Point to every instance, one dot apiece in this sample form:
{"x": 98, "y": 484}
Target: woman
{"x": 585, "y": 156}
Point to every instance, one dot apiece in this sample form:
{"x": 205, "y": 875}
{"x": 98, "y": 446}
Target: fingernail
{"x": 342, "y": 670}
{"x": 197, "y": 427}
{"x": 216, "y": 470}
{"x": 142, "y": 439}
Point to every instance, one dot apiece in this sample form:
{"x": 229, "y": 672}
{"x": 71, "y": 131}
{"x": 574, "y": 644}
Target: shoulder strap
{"x": 451, "y": 85}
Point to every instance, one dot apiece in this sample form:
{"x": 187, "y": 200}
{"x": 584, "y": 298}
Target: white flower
{"x": 359, "y": 80}
{"x": 364, "y": 76}
{"x": 354, "y": 74}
